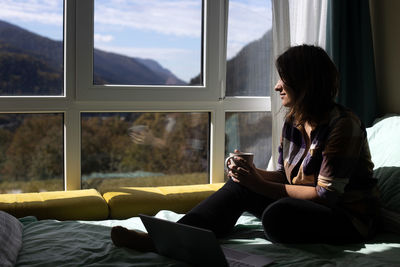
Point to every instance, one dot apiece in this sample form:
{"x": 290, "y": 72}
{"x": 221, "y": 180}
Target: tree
{"x": 36, "y": 149}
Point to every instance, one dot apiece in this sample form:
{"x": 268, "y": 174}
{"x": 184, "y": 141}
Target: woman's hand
{"x": 240, "y": 171}
{"x": 142, "y": 135}
{"x": 272, "y": 184}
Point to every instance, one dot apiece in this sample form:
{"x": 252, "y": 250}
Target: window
{"x": 31, "y": 48}
{"x": 248, "y": 73}
{"x": 88, "y": 120}
{"x": 31, "y": 151}
{"x": 155, "y": 42}
{"x": 192, "y": 71}
{"x": 249, "y": 48}
{"x": 249, "y": 132}
{"x": 144, "y": 149}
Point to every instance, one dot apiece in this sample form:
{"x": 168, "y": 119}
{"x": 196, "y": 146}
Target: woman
{"x": 323, "y": 190}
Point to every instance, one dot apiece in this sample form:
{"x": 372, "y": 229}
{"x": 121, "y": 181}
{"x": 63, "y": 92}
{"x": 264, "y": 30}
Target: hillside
{"x": 109, "y": 68}
{"x": 248, "y": 73}
{"x": 118, "y": 69}
{"x": 23, "y": 74}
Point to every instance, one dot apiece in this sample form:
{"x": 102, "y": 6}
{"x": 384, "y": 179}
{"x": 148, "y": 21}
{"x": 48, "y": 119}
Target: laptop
{"x": 196, "y": 246}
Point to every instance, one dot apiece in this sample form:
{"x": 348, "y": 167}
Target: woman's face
{"x": 284, "y": 92}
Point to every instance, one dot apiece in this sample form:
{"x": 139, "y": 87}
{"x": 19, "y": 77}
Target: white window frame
{"x": 81, "y": 96}
{"x": 213, "y": 11}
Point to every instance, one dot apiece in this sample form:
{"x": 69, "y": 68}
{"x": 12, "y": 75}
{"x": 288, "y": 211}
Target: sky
{"x": 166, "y": 31}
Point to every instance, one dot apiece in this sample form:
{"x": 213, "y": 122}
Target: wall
{"x": 385, "y": 19}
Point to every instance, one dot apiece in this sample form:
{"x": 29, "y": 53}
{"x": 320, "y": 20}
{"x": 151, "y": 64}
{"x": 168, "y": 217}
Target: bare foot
{"x": 132, "y": 239}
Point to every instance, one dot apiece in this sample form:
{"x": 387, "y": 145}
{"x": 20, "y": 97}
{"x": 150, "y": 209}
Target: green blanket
{"x": 87, "y": 243}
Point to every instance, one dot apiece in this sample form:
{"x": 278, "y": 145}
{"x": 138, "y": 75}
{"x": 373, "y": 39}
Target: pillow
{"x": 126, "y": 202}
{"x": 389, "y": 187}
{"x": 384, "y": 142}
{"x": 390, "y": 221}
{"x": 10, "y": 239}
{"x": 85, "y": 204}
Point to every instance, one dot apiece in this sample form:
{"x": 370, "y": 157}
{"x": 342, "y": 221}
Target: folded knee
{"x": 277, "y": 220}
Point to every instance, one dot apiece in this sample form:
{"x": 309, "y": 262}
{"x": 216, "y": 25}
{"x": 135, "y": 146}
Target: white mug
{"x": 249, "y": 157}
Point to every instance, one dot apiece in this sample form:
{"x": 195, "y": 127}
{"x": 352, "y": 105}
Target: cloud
{"x": 46, "y": 11}
{"x": 144, "y": 52}
{"x": 178, "y": 17}
{"x": 103, "y": 38}
{"x": 248, "y": 19}
{"x": 247, "y": 22}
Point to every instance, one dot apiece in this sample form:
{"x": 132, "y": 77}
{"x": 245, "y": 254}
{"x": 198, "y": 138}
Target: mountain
{"x": 109, "y": 68}
{"x": 23, "y": 74}
{"x": 118, "y": 69}
{"x": 248, "y": 72}
{"x": 32, "y": 44}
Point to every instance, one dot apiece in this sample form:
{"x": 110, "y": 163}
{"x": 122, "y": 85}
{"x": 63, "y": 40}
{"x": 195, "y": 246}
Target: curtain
{"x": 294, "y": 22}
{"x": 308, "y": 20}
{"x": 281, "y": 41}
{"x": 349, "y": 43}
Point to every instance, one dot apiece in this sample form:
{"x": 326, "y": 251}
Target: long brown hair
{"x": 313, "y": 81}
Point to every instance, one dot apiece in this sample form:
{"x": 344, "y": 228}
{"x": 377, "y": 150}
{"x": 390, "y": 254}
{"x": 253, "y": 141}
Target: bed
{"x": 28, "y": 241}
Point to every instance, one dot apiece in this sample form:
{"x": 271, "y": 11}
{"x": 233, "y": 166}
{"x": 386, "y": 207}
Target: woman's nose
{"x": 278, "y": 86}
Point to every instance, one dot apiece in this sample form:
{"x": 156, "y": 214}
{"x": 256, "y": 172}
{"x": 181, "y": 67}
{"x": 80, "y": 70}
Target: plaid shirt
{"x": 337, "y": 162}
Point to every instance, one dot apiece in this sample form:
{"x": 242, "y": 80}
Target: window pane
{"x": 31, "y": 153}
{"x": 31, "y": 48}
{"x": 157, "y": 42}
{"x": 144, "y": 149}
{"x": 249, "y": 49}
{"x": 249, "y": 132}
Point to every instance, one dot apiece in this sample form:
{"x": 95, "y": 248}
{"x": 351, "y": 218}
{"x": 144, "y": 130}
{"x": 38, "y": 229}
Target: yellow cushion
{"x": 127, "y": 202}
{"x": 60, "y": 205}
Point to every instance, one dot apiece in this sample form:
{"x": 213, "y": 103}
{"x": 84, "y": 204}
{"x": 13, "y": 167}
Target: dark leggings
{"x": 286, "y": 220}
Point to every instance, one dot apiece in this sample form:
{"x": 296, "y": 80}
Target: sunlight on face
{"x": 284, "y": 92}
